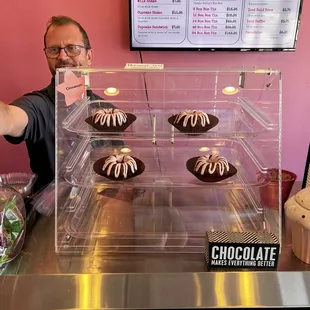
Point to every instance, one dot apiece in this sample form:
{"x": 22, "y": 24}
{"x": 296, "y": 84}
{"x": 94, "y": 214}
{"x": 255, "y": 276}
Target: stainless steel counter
{"x": 40, "y": 279}
{"x": 155, "y": 291}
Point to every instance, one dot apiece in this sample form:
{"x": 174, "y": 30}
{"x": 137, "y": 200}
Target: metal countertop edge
{"x": 155, "y": 290}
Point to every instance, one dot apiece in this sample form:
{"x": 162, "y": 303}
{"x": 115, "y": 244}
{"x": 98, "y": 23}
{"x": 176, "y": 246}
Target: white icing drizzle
{"x": 121, "y": 163}
{"x": 212, "y": 162}
{"x": 105, "y": 116}
{"x": 193, "y": 116}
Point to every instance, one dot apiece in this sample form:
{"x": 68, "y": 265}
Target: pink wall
{"x": 23, "y": 67}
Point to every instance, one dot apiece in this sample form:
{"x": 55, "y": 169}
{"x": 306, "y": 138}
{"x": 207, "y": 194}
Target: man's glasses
{"x": 71, "y": 51}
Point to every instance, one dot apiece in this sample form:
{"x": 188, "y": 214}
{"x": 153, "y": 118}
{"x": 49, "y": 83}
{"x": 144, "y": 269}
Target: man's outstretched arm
{"x": 13, "y": 120}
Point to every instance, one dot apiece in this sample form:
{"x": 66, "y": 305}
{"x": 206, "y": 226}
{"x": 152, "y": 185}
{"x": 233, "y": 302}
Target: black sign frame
{"x": 210, "y": 49}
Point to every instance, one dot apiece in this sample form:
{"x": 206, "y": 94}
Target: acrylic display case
{"x": 166, "y": 208}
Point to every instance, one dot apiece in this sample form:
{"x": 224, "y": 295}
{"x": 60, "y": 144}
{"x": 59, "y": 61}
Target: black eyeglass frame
{"x": 64, "y": 48}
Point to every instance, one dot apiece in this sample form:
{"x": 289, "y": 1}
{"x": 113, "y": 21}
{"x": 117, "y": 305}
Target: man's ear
{"x": 90, "y": 55}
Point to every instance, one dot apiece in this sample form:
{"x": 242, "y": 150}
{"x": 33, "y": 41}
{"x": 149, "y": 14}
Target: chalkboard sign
{"x": 241, "y": 250}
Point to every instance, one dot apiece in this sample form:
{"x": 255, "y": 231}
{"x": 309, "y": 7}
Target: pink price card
{"x": 73, "y": 87}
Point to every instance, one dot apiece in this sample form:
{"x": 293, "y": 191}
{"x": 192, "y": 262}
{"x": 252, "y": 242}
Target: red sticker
{"x": 73, "y": 87}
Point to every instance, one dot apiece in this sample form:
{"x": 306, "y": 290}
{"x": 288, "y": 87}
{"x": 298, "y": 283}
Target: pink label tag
{"x": 73, "y": 87}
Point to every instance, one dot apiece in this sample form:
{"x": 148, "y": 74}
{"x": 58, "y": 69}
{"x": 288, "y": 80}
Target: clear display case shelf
{"x": 166, "y": 208}
{"x": 165, "y": 163}
{"x": 237, "y": 119}
{"x": 156, "y": 220}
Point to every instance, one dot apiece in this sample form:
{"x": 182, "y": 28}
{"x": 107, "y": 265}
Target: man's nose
{"x": 62, "y": 54}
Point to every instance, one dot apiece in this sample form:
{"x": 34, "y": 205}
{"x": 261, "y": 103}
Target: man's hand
{"x": 13, "y": 120}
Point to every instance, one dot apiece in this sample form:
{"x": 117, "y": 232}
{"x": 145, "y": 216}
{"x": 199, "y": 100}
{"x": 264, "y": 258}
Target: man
{"x": 31, "y": 118}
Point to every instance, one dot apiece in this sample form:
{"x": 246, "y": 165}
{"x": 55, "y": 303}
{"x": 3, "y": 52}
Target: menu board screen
{"x": 214, "y": 24}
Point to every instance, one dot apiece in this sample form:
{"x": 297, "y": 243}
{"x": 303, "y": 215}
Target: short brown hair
{"x": 65, "y": 20}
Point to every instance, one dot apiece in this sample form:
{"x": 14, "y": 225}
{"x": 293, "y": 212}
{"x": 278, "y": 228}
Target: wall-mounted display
{"x": 243, "y": 25}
